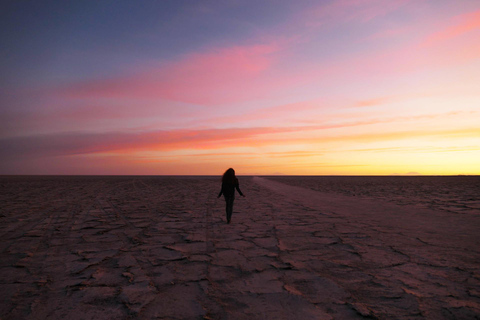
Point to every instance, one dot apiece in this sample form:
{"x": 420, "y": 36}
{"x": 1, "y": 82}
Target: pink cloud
{"x": 402, "y": 60}
{"x": 233, "y": 74}
{"x": 217, "y": 76}
{"x": 460, "y": 25}
{"x": 85, "y": 143}
{"x": 250, "y": 72}
{"x": 207, "y": 139}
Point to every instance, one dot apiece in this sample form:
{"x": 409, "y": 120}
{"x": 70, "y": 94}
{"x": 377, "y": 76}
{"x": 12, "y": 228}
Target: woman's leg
{"x": 229, "y": 207}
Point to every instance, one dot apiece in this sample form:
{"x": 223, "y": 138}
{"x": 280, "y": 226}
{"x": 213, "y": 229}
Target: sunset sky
{"x": 347, "y": 87}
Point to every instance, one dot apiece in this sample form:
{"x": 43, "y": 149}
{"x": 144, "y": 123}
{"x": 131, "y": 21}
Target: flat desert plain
{"x": 159, "y": 248}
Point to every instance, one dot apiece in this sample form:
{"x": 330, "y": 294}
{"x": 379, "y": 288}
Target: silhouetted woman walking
{"x": 229, "y": 184}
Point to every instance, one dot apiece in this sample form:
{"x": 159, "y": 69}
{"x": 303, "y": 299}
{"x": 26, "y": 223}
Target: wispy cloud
{"x": 423, "y": 149}
{"x": 208, "y": 139}
{"x": 215, "y": 76}
{"x": 458, "y": 26}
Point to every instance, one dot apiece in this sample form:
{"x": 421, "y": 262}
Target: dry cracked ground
{"x": 159, "y": 248}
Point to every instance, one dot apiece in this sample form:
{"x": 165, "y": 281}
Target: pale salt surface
{"x": 159, "y": 247}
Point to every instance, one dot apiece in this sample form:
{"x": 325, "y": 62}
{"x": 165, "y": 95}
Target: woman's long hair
{"x": 229, "y": 176}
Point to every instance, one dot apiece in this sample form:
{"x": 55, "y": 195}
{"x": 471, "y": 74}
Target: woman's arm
{"x": 221, "y": 191}
{"x": 237, "y": 186}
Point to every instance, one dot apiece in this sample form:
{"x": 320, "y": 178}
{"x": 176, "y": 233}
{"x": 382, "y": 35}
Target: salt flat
{"x": 159, "y": 247}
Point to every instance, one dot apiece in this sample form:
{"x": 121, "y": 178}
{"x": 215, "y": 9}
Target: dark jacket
{"x": 228, "y": 189}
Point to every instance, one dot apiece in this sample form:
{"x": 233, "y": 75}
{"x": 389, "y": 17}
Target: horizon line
{"x": 240, "y": 175}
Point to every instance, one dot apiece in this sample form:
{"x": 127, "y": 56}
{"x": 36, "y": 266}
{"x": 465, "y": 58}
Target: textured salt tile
{"x": 225, "y": 237}
{"x": 231, "y": 258}
{"x": 163, "y": 275}
{"x": 315, "y": 289}
{"x": 195, "y": 237}
{"x": 141, "y": 224}
{"x": 278, "y": 264}
{"x": 136, "y": 296}
{"x": 75, "y": 267}
{"x": 382, "y": 256}
{"x": 455, "y": 303}
{"x": 60, "y": 259}
{"x": 188, "y": 247}
{"x": 382, "y": 289}
{"x": 281, "y": 306}
{"x": 139, "y": 274}
{"x": 95, "y": 295}
{"x": 341, "y": 257}
{"x": 7, "y": 293}
{"x": 35, "y": 233}
{"x": 106, "y": 238}
{"x": 176, "y": 302}
{"x": 199, "y": 258}
{"x": 415, "y": 292}
{"x": 260, "y": 263}
{"x": 191, "y": 271}
{"x": 126, "y": 260}
{"x": 24, "y": 263}
{"x": 157, "y": 255}
{"x": 12, "y": 275}
{"x": 383, "y": 306}
{"x": 426, "y": 288}
{"x": 268, "y": 242}
{"x": 96, "y": 257}
{"x": 255, "y": 230}
{"x": 258, "y": 252}
{"x": 257, "y": 282}
{"x": 362, "y": 309}
{"x": 303, "y": 243}
{"x": 235, "y": 244}
{"x": 223, "y": 274}
{"x": 341, "y": 311}
{"x": 165, "y": 239}
{"x": 324, "y": 241}
{"x": 89, "y": 312}
{"x": 106, "y": 277}
{"x": 129, "y": 276}
{"x": 474, "y": 292}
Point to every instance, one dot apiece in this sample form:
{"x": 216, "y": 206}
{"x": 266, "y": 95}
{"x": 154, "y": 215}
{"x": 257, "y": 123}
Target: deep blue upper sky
{"x": 66, "y": 38}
